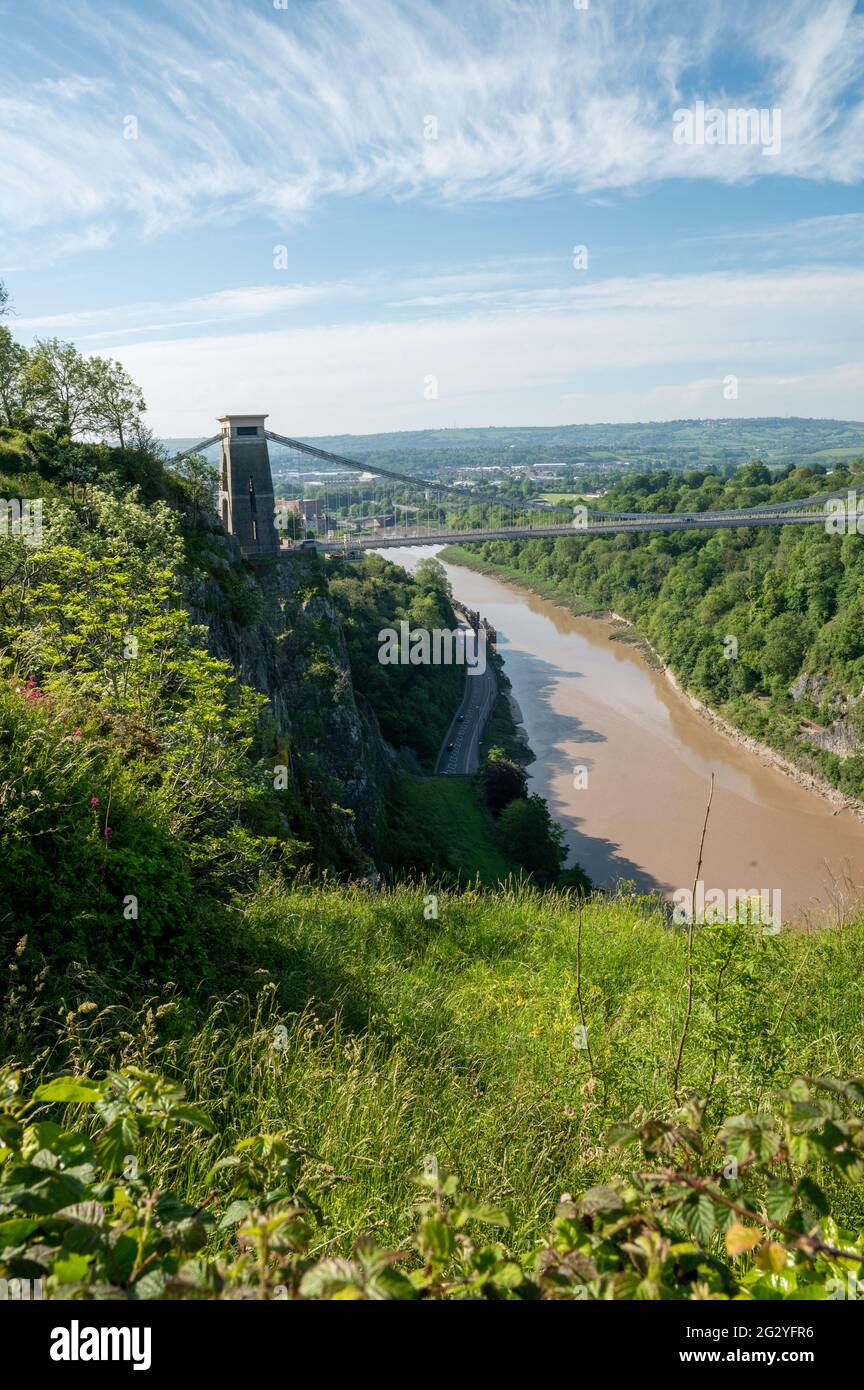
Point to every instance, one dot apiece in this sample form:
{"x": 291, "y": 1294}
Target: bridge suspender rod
{"x": 196, "y": 448}
{"x": 389, "y": 472}
{"x": 799, "y": 505}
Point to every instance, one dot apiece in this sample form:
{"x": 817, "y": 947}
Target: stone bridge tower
{"x": 246, "y": 503}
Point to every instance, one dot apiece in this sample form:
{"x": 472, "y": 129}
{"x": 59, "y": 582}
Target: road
{"x": 481, "y": 692}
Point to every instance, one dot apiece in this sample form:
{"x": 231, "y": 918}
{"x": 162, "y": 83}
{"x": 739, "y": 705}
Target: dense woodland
{"x": 414, "y": 704}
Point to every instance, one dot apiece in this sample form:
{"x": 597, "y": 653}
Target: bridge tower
{"x": 246, "y": 503}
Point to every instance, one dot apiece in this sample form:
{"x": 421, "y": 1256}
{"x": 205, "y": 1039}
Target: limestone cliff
{"x": 278, "y": 627}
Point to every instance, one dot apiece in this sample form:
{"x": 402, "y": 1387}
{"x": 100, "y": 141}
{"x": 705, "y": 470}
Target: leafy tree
{"x": 530, "y": 837}
{"x": 503, "y": 780}
{"x": 16, "y": 387}
{"x": 786, "y": 642}
{"x": 431, "y": 576}
{"x": 116, "y": 404}
{"x": 62, "y": 384}
{"x": 200, "y": 479}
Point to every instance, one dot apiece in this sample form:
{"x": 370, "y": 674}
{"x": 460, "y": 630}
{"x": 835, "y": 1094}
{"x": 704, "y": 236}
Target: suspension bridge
{"x": 341, "y": 505}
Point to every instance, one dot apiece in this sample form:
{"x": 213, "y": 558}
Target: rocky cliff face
{"x": 842, "y": 735}
{"x": 279, "y": 629}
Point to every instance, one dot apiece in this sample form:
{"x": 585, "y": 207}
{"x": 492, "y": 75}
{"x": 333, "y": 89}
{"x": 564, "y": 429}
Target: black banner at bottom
{"x": 82, "y": 1340}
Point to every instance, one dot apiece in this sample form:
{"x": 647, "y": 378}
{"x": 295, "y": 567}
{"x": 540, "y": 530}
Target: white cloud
{"x": 241, "y": 106}
{"x": 830, "y": 392}
{"x": 221, "y": 306}
{"x": 237, "y": 304}
{"x": 654, "y": 347}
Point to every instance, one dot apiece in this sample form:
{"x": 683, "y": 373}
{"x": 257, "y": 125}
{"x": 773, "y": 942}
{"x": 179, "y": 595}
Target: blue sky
{"x": 306, "y": 126}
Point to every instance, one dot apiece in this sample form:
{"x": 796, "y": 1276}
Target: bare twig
{"x": 689, "y": 1010}
{"x": 811, "y": 1243}
{"x": 579, "y": 995}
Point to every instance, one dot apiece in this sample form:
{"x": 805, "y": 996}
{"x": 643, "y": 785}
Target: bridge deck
{"x": 705, "y": 521}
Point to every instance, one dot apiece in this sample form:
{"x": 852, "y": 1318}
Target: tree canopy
{"x": 56, "y": 387}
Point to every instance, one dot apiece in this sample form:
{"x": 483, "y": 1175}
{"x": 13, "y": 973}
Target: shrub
{"x": 502, "y": 780}
{"x": 530, "y": 837}
{"x": 79, "y": 1211}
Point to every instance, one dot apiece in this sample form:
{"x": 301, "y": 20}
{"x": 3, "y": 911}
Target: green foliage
{"x": 413, "y": 704}
{"x": 126, "y": 749}
{"x": 387, "y": 1035}
{"x": 502, "y": 780}
{"x": 199, "y": 481}
{"x": 54, "y": 384}
{"x": 530, "y": 837}
{"x": 79, "y": 1212}
{"x": 436, "y": 826}
{"x": 81, "y": 847}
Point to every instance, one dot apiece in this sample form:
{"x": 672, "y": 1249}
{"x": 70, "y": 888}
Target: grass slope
{"x": 376, "y": 1036}
{"x": 439, "y": 821}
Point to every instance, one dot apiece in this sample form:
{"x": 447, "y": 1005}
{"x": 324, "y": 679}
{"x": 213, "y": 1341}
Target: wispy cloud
{"x": 650, "y": 348}
{"x": 529, "y": 284}
{"x": 242, "y": 106}
{"x": 502, "y": 280}
{"x": 200, "y": 311}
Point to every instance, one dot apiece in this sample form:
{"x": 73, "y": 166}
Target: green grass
{"x": 454, "y": 1036}
{"x": 455, "y": 827}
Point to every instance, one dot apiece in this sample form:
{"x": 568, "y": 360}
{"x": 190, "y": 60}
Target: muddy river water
{"x": 625, "y": 764}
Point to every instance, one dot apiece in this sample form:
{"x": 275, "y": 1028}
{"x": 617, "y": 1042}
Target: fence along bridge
{"x": 343, "y": 506}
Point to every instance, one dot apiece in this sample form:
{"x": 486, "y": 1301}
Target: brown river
{"x": 625, "y": 764}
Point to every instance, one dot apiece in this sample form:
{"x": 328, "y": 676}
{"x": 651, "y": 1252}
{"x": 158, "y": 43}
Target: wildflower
{"x": 31, "y": 692}
{"x": 76, "y": 733}
{"x": 108, "y": 832}
{"x": 94, "y": 801}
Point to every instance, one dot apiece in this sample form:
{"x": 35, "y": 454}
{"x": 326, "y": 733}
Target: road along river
{"x": 636, "y": 811}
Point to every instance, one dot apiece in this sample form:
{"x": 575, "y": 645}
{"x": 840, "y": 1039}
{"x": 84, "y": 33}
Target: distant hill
{"x": 667, "y": 443}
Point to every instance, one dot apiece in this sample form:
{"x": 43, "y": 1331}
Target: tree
{"x": 529, "y": 836}
{"x": 753, "y": 474}
{"x": 431, "y": 576}
{"x": 503, "y": 780}
{"x": 16, "y": 392}
{"x": 4, "y": 299}
{"x": 200, "y": 479}
{"x": 786, "y": 641}
{"x": 116, "y": 403}
{"x": 60, "y": 380}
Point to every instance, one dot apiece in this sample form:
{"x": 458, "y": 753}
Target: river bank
{"x": 624, "y": 763}
{"x": 767, "y": 755}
